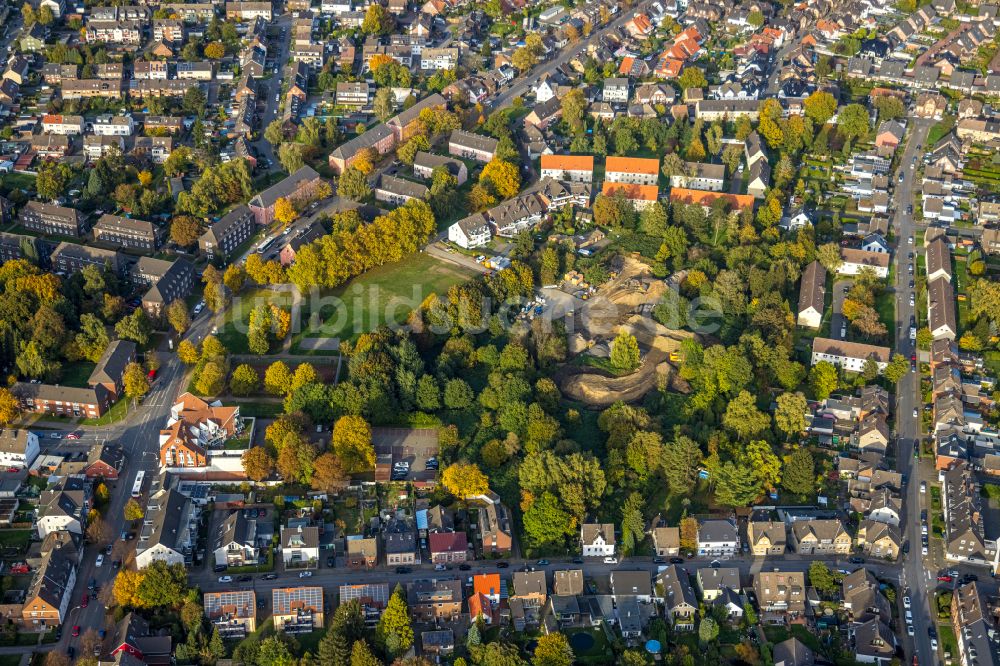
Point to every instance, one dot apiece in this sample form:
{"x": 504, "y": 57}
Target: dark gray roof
{"x": 111, "y": 366}
{"x": 284, "y": 188}
{"x": 219, "y": 230}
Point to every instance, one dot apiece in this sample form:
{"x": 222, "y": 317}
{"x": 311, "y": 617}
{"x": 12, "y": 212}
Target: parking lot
{"x": 409, "y": 445}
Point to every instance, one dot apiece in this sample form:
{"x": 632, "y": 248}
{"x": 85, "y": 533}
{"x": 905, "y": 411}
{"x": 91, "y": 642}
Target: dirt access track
{"x": 623, "y": 304}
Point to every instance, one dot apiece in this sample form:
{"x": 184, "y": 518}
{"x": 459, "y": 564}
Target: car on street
{"x": 577, "y": 560}
{"x": 969, "y": 578}
{"x": 440, "y": 567}
{"x": 85, "y": 601}
{"x": 944, "y": 579}
{"x": 916, "y": 412}
{"x": 923, "y": 550}
{"x": 953, "y": 573}
{"x": 677, "y": 560}
{"x": 909, "y": 630}
{"x": 923, "y": 487}
{"x": 331, "y": 561}
{"x": 542, "y": 563}
{"x": 218, "y": 568}
{"x": 502, "y": 565}
{"x": 909, "y": 617}
{"x": 464, "y": 567}
{"x": 270, "y": 576}
{"x": 305, "y": 574}
{"x": 244, "y": 579}
{"x": 906, "y": 602}
{"x": 856, "y": 560}
{"x": 225, "y": 579}
{"x": 934, "y": 644}
{"x": 403, "y": 570}
{"x": 76, "y": 630}
{"x": 56, "y": 435}
{"x": 100, "y": 560}
{"x": 72, "y": 435}
{"x": 107, "y": 551}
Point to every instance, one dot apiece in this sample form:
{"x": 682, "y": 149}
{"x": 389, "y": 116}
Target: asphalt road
{"x": 837, "y": 321}
{"x": 271, "y": 87}
{"x": 138, "y": 436}
{"x": 915, "y": 575}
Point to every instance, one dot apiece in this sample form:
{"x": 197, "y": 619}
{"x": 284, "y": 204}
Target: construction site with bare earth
{"x": 625, "y": 302}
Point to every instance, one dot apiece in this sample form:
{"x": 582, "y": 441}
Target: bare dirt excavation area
{"x": 626, "y": 303}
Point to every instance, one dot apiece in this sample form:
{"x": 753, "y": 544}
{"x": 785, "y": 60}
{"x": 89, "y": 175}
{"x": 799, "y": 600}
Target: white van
{"x": 611, "y": 560}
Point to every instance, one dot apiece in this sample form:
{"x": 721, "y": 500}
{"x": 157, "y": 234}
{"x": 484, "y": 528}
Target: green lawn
{"x": 261, "y": 410}
{"x": 21, "y": 181}
{"x": 387, "y": 293}
{"x": 77, "y": 374}
{"x": 113, "y": 415}
{"x": 15, "y": 538}
{"x": 939, "y": 130}
{"x": 232, "y": 333}
{"x": 599, "y": 652}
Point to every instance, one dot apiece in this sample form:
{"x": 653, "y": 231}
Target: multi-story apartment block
{"x": 127, "y": 232}
{"x": 231, "y": 231}
{"x": 51, "y": 220}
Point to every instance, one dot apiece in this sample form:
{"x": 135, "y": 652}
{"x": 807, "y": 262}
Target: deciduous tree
{"x": 799, "y": 475}
{"x": 177, "y": 316}
{"x": 553, "y": 649}
{"x": 278, "y": 378}
{"x": 789, "y": 414}
{"x": 465, "y": 480}
{"x": 352, "y": 442}
{"x": 135, "y": 382}
{"x": 185, "y": 230}
{"x": 328, "y": 474}
{"x": 625, "y": 352}
{"x": 257, "y": 463}
{"x": 244, "y": 381}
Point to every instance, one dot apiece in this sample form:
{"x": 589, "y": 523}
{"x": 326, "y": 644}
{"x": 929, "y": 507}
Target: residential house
{"x": 133, "y": 644}
{"x": 759, "y": 179}
{"x": 820, "y": 537}
{"x": 228, "y": 233}
{"x": 874, "y": 643}
{"x": 62, "y": 400}
{"x": 862, "y": 598}
{"x": 973, "y": 616}
{"x": 889, "y": 135}
{"x": 110, "y": 369}
{"x": 484, "y": 602}
{"x": 571, "y": 168}
{"x": 714, "y": 581}
{"x": 397, "y": 191}
{"x": 938, "y": 257}
{"x": 640, "y": 196}
{"x": 104, "y": 461}
{"x": 361, "y": 552}
{"x": 632, "y": 170}
{"x": 296, "y": 187}
{"x": 210, "y": 424}
{"x": 233, "y": 613}
{"x": 781, "y": 595}
{"x": 850, "y": 356}
{"x": 966, "y": 538}
{"x": 18, "y": 447}
{"x": 373, "y": 598}
{"x": 941, "y": 315}
{"x": 169, "y": 529}
{"x": 853, "y": 261}
{"x": 399, "y": 541}
{"x": 616, "y": 91}
{"x": 679, "y": 601}
{"x": 598, "y": 539}
{"x": 470, "y": 232}
{"x": 792, "y": 652}
{"x": 812, "y": 296}
{"x": 471, "y": 146}
{"x": 766, "y": 537}
{"x": 47, "y": 599}
{"x": 718, "y": 538}
{"x": 433, "y": 601}
{"x": 51, "y": 220}
{"x": 297, "y": 610}
{"x": 700, "y": 176}
{"x": 63, "y": 507}
{"x": 236, "y": 544}
{"x": 448, "y": 547}
{"x": 495, "y": 528}
{"x": 425, "y": 163}
{"x": 527, "y": 603}
{"x": 666, "y": 541}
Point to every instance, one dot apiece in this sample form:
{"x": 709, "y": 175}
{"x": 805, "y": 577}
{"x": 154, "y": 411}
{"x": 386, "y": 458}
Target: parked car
{"x": 906, "y": 602}
{"x": 85, "y": 601}
{"x": 100, "y": 560}
{"x": 218, "y": 568}
{"x": 944, "y": 579}
{"x": 464, "y": 567}
{"x": 225, "y": 579}
{"x": 502, "y": 565}
{"x": 76, "y": 630}
{"x": 270, "y": 576}
{"x": 331, "y": 561}
{"x": 305, "y": 574}
{"x": 403, "y": 570}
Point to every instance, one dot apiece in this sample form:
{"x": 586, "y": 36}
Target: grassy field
{"x": 384, "y": 294}
{"x": 21, "y": 181}
{"x": 233, "y": 332}
{"x": 939, "y": 130}
{"x": 113, "y": 415}
{"x": 15, "y": 538}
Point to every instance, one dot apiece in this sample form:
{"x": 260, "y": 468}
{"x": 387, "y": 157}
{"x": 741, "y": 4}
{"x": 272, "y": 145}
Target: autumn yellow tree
{"x": 9, "y": 407}
{"x": 465, "y": 480}
{"x": 257, "y": 463}
{"x": 127, "y": 584}
{"x": 187, "y": 352}
{"x": 352, "y": 442}
{"x": 215, "y": 50}
{"x": 284, "y": 211}
{"x": 502, "y": 177}
{"x": 278, "y": 378}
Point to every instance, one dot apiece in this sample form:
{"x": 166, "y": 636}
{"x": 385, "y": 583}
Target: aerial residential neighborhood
{"x": 380, "y": 332}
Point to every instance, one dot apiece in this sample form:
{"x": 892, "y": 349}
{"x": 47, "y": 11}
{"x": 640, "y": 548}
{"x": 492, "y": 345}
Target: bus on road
{"x": 137, "y": 486}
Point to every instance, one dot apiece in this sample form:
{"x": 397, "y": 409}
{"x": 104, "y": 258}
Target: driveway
{"x": 838, "y": 322}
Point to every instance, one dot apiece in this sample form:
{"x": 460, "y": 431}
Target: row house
{"x": 425, "y": 163}
{"x": 233, "y": 612}
{"x": 820, "y": 537}
{"x": 61, "y": 124}
{"x": 126, "y": 32}
{"x": 850, "y": 356}
{"x": 398, "y": 191}
{"x": 145, "y": 70}
{"x": 62, "y": 400}
{"x": 296, "y": 610}
{"x": 51, "y": 146}
{"x": 70, "y": 258}
{"x": 571, "y": 168}
{"x": 195, "y": 71}
{"x": 160, "y": 88}
{"x": 472, "y": 146}
{"x": 248, "y": 11}
{"x": 154, "y": 148}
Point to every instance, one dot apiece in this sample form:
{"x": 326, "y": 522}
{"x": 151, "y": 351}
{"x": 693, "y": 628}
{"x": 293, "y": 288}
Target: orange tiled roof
{"x": 647, "y": 165}
{"x": 488, "y": 584}
{"x": 568, "y": 162}
{"x": 632, "y": 192}
{"x": 705, "y": 198}
{"x": 669, "y": 68}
